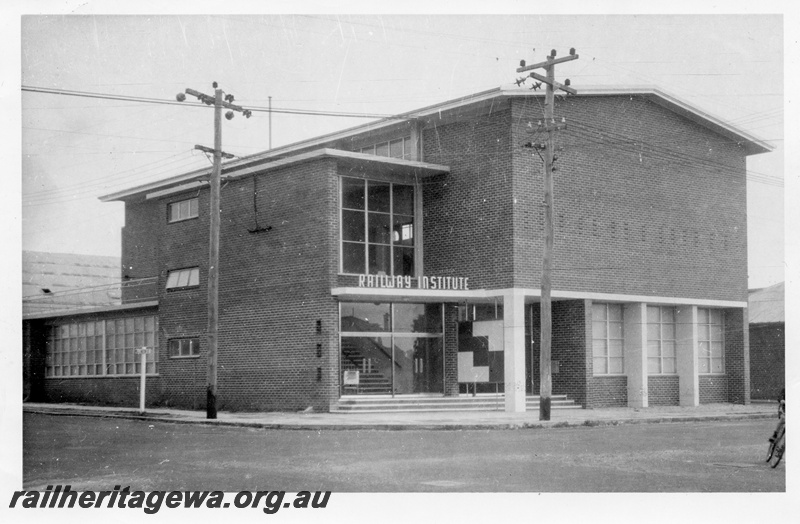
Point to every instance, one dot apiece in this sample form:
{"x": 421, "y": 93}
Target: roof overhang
{"x": 91, "y": 310}
{"x": 351, "y": 161}
{"x": 751, "y": 144}
{"x": 532, "y": 295}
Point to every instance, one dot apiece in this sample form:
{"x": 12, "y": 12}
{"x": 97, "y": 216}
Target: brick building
{"x": 767, "y": 314}
{"x": 403, "y": 258}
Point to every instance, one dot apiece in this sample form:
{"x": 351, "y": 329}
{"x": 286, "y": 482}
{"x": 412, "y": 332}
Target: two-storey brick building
{"x": 403, "y": 258}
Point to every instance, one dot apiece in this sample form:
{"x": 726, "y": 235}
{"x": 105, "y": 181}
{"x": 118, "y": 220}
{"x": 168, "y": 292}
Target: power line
{"x": 290, "y": 111}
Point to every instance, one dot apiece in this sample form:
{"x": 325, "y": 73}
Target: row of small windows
{"x": 108, "y": 347}
{"x": 103, "y": 347}
{"x": 608, "y": 340}
{"x": 399, "y": 148}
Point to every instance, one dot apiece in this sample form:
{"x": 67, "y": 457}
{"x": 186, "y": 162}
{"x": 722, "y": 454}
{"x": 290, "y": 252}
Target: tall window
{"x": 104, "y": 347}
{"x": 607, "y": 339}
{"x": 183, "y": 210}
{"x": 377, "y": 227}
{"x": 661, "y": 340}
{"x": 710, "y": 327}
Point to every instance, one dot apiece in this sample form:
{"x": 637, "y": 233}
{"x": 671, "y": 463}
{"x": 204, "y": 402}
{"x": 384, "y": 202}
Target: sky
{"x": 63, "y": 152}
{"x": 75, "y": 149}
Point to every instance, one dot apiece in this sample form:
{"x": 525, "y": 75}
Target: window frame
{"x": 194, "y": 347}
{"x": 607, "y": 356}
{"x": 392, "y": 329}
{"x": 189, "y": 271}
{"x": 710, "y": 358}
{"x": 113, "y": 340}
{"x": 660, "y": 340}
{"x": 178, "y": 203}
{"x": 391, "y": 217}
{"x": 405, "y": 143}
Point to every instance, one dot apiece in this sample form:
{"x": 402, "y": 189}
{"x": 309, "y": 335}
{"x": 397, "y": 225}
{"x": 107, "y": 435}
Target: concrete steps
{"x": 413, "y": 403}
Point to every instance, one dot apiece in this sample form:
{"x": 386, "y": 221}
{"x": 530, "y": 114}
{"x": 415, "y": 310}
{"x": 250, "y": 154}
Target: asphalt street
{"x": 99, "y": 453}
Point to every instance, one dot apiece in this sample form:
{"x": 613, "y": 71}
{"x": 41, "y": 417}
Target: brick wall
{"x": 713, "y": 389}
{"x": 108, "y": 391}
{"x": 629, "y": 218}
{"x": 450, "y": 349}
{"x": 141, "y": 246}
{"x": 568, "y": 348}
{"x": 468, "y": 214}
{"x": 767, "y": 360}
{"x": 274, "y": 288}
{"x": 737, "y": 356}
{"x": 607, "y": 391}
{"x": 663, "y": 390}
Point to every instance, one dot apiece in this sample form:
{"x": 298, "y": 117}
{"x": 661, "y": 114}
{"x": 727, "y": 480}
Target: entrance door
{"x": 418, "y": 365}
{"x": 391, "y": 348}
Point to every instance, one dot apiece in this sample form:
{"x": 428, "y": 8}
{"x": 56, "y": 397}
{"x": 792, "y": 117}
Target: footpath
{"x": 445, "y": 420}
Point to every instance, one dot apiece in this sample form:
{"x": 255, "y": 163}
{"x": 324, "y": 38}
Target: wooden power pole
{"x": 550, "y": 127}
{"x": 213, "y": 251}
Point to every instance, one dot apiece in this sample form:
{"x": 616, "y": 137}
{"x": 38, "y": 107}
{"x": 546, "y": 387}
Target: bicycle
{"x": 777, "y": 444}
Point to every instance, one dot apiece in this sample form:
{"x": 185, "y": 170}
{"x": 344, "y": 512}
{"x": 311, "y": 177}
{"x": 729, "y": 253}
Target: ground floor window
{"x": 184, "y": 347}
{"x": 101, "y": 347}
{"x": 607, "y": 339}
{"x": 391, "y": 348}
{"x": 661, "y": 357}
{"x": 710, "y": 335}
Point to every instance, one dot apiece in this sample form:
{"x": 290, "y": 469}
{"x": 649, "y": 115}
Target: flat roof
{"x": 376, "y": 164}
{"x": 91, "y": 310}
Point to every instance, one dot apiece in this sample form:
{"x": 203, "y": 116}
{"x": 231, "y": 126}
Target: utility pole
{"x": 550, "y": 127}
{"x": 213, "y": 252}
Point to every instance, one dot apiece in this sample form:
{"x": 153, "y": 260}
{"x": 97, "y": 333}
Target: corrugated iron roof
{"x": 767, "y": 305}
{"x": 64, "y": 271}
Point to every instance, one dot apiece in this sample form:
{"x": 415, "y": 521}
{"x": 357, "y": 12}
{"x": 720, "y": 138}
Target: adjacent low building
{"x": 767, "y": 314}
{"x": 402, "y": 259}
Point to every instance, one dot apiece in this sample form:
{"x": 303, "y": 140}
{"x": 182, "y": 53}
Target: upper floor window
{"x": 399, "y": 148}
{"x": 183, "y": 210}
{"x": 187, "y": 277}
{"x": 710, "y": 335}
{"x": 377, "y": 227}
{"x": 607, "y": 339}
{"x": 661, "y": 338}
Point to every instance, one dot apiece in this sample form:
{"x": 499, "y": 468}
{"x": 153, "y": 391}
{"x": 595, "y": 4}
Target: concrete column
{"x": 514, "y": 350}
{"x": 687, "y": 348}
{"x": 635, "y": 333}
